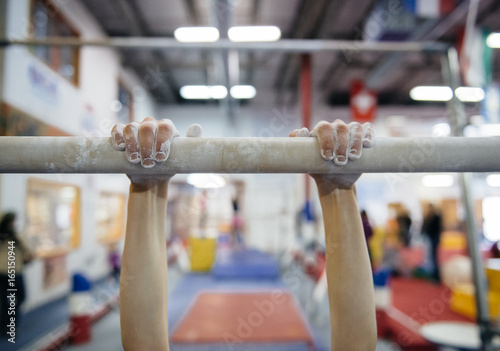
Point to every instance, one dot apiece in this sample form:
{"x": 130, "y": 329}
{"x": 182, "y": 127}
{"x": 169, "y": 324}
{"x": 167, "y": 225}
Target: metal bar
{"x": 458, "y": 120}
{"x": 249, "y": 155}
{"x": 289, "y": 45}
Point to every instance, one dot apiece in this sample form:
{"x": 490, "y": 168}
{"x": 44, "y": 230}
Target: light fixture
{"x": 437, "y": 180}
{"x": 431, "y": 93}
{"x": 206, "y": 180}
{"x": 441, "y": 130}
{"x": 469, "y": 94}
{"x": 493, "y": 180}
{"x": 196, "y": 34}
{"x": 243, "y": 92}
{"x": 203, "y": 92}
{"x": 218, "y": 92}
{"x": 493, "y": 40}
{"x": 444, "y": 93}
{"x": 254, "y": 33}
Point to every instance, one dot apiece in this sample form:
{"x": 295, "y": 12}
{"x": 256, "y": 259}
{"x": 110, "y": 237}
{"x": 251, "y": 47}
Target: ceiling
{"x": 391, "y": 75}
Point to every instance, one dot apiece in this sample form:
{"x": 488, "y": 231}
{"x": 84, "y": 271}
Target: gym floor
{"x": 106, "y": 332}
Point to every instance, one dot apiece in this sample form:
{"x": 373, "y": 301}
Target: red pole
{"x": 305, "y": 97}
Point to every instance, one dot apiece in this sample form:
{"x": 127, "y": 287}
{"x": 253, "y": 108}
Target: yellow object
{"x": 463, "y": 302}
{"x": 493, "y": 274}
{"x": 452, "y": 240}
{"x": 202, "y": 253}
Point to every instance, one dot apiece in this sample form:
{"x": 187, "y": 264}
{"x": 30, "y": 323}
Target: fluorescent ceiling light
{"x": 469, "y": 94}
{"x": 196, "y": 34}
{"x": 254, "y": 33}
{"x": 443, "y": 93}
{"x": 493, "y": 180}
{"x": 203, "y": 92}
{"x": 206, "y": 180}
{"x": 431, "y": 93}
{"x": 437, "y": 180}
{"x": 441, "y": 130}
{"x": 218, "y": 92}
{"x": 493, "y": 40}
{"x": 243, "y": 92}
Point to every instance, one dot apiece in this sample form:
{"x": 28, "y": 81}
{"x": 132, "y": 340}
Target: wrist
{"x": 326, "y": 185}
{"x": 151, "y": 184}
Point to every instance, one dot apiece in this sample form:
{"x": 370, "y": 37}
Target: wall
{"x": 79, "y": 110}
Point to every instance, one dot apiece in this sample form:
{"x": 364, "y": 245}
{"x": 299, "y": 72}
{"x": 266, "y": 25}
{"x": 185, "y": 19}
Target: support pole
{"x": 458, "y": 120}
{"x": 306, "y": 104}
{"x": 249, "y": 155}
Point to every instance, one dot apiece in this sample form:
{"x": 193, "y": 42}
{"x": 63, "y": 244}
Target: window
{"x": 53, "y": 217}
{"x": 110, "y": 217}
{"x": 47, "y": 22}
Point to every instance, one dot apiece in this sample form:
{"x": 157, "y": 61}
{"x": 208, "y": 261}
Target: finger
{"x": 355, "y": 140}
{"x": 117, "y": 137}
{"x": 368, "y": 134}
{"x": 147, "y": 142}
{"x": 166, "y": 132}
{"x": 341, "y": 137}
{"x": 301, "y": 133}
{"x": 132, "y": 142}
{"x": 324, "y": 132}
{"x": 194, "y": 131}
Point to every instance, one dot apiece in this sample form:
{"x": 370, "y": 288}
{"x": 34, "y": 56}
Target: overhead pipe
{"x": 286, "y": 45}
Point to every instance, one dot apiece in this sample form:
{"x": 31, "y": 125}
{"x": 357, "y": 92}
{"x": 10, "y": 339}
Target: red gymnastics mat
{"x": 243, "y": 318}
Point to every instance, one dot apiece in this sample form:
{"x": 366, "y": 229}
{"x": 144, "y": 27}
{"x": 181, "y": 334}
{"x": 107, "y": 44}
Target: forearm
{"x": 143, "y": 281}
{"x": 350, "y": 283}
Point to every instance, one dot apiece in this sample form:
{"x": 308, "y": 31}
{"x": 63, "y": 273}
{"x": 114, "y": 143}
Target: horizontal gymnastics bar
{"x": 249, "y": 155}
{"x": 286, "y": 45}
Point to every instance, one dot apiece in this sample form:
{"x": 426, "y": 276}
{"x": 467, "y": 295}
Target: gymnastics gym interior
{"x": 243, "y": 231}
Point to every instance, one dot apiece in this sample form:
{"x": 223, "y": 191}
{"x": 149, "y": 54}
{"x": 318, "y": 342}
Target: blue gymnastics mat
{"x": 245, "y": 264}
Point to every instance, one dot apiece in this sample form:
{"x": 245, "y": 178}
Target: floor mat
{"x": 218, "y": 317}
{"x": 245, "y": 264}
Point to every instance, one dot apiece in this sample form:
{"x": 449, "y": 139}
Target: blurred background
{"x": 232, "y": 238}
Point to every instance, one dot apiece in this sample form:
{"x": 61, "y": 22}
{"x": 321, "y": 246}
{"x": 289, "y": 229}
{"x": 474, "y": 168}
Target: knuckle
{"x": 147, "y": 126}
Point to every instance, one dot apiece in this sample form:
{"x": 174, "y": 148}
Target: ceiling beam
{"x": 430, "y": 30}
{"x": 161, "y": 81}
{"x": 342, "y": 60}
{"x": 194, "y": 17}
{"x": 254, "y": 20}
{"x": 330, "y": 13}
{"x": 306, "y": 19}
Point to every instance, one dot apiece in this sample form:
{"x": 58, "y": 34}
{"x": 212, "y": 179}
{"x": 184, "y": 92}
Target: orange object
{"x": 243, "y": 318}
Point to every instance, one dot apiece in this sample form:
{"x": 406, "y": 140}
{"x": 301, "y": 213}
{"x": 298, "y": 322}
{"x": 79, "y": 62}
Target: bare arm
{"x": 143, "y": 281}
{"x": 350, "y": 283}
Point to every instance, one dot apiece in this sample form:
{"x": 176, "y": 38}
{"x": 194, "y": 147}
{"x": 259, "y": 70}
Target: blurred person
{"x": 11, "y": 244}
{"x": 237, "y": 226}
{"x": 114, "y": 261}
{"x": 350, "y": 283}
{"x": 404, "y": 224}
{"x": 432, "y": 228}
{"x": 367, "y": 229}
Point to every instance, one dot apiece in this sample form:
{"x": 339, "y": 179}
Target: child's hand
{"x": 148, "y": 142}
{"x": 339, "y": 143}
